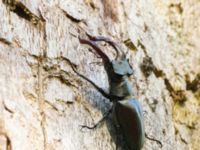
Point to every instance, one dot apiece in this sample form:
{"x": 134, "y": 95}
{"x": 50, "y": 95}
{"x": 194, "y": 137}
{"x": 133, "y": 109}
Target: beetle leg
{"x": 105, "y": 116}
{"x": 105, "y": 94}
{"x": 84, "y": 77}
{"x": 152, "y": 139}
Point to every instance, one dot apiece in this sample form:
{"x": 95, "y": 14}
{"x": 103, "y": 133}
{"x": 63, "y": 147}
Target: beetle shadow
{"x": 114, "y": 131}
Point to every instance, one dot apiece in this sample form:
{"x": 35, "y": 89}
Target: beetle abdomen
{"x": 128, "y": 114}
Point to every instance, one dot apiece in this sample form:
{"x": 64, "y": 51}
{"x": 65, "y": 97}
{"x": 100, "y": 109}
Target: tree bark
{"x": 43, "y": 102}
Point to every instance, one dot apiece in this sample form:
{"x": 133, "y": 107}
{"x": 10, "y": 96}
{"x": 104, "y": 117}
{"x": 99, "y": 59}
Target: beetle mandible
{"x": 128, "y": 114}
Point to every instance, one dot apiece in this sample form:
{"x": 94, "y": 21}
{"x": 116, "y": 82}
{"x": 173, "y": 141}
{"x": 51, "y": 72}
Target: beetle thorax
{"x": 120, "y": 87}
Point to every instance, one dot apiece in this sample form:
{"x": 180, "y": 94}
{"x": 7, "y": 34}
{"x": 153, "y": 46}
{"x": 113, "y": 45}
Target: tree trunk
{"x": 43, "y": 102}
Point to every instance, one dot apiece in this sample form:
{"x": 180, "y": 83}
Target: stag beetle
{"x": 127, "y": 111}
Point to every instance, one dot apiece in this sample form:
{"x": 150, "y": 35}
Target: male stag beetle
{"x": 127, "y": 111}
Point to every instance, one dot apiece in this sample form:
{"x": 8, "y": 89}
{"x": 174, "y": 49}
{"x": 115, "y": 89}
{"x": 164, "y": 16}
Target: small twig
{"x": 152, "y": 139}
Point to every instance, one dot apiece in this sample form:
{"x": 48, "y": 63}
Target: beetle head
{"x": 121, "y": 67}
{"x": 118, "y": 67}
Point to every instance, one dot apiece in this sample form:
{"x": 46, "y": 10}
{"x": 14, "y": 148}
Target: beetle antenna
{"x": 152, "y": 139}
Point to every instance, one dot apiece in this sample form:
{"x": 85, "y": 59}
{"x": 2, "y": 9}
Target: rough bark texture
{"x": 43, "y": 102}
